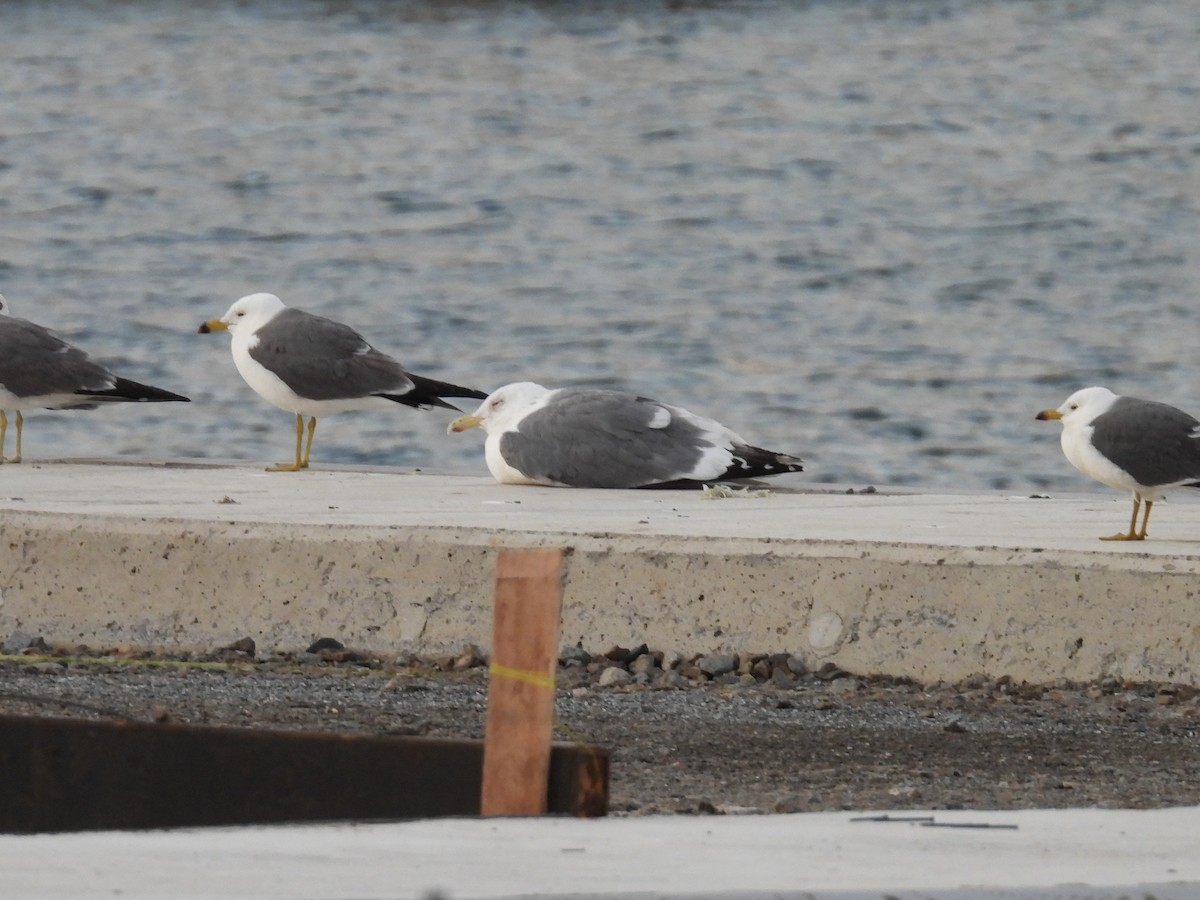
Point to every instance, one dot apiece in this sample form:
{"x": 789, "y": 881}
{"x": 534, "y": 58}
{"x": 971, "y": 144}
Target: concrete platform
{"x": 1032, "y": 853}
{"x": 935, "y": 587}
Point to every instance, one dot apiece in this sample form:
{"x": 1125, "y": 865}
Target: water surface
{"x": 878, "y": 235}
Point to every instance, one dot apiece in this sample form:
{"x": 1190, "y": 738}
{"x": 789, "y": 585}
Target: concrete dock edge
{"x": 903, "y": 608}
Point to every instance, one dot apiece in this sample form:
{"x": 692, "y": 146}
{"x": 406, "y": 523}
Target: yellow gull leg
{"x": 1132, "y": 535}
{"x": 16, "y": 457}
{"x": 296, "y": 466}
{"x": 312, "y": 426}
{"x": 1145, "y": 520}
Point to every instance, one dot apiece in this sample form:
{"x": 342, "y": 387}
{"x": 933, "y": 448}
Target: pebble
{"x": 325, "y": 643}
{"x": 614, "y": 676}
{"x": 718, "y": 664}
{"x": 644, "y": 663}
{"x": 574, "y": 656}
{"x": 22, "y": 640}
{"x": 623, "y": 655}
{"x": 672, "y": 679}
{"x": 46, "y": 668}
{"x": 780, "y": 677}
{"x": 471, "y": 657}
{"x": 830, "y": 672}
{"x": 846, "y": 685}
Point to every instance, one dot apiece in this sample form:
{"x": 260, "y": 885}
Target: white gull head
{"x": 1083, "y": 407}
{"x": 252, "y": 311}
{"x": 507, "y": 405}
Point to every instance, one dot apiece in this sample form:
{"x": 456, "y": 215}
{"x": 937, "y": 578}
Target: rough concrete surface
{"x": 932, "y": 587}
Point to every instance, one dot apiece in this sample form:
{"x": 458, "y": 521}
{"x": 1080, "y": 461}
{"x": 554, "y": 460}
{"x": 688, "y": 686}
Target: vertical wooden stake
{"x": 520, "y": 715}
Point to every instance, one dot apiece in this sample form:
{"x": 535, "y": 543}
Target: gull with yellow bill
{"x": 580, "y": 437}
{"x": 312, "y": 366}
{"x": 1141, "y": 446}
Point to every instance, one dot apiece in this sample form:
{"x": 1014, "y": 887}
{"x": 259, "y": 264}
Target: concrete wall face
{"x": 930, "y": 613}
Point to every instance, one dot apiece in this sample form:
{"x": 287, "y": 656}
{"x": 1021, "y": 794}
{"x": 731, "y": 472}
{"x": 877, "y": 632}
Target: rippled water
{"x": 878, "y": 235}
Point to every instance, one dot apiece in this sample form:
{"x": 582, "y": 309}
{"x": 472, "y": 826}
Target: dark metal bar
{"x": 76, "y": 775}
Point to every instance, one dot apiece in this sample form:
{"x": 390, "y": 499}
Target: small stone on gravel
{"x": 718, "y": 664}
{"x": 325, "y": 643}
{"x": 614, "y": 676}
{"x": 22, "y": 640}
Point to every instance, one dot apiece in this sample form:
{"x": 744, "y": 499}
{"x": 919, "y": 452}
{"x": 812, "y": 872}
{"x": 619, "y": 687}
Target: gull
{"x": 312, "y": 366}
{"x": 1141, "y": 446}
{"x": 39, "y": 370}
{"x": 578, "y": 437}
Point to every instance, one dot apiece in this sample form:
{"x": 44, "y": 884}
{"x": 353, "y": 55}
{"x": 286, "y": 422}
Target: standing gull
{"x": 1140, "y": 446}
{"x": 39, "y": 370}
{"x": 607, "y": 439}
{"x": 313, "y": 366}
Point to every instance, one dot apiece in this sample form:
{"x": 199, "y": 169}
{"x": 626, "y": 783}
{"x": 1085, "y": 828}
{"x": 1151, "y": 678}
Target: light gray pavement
{"x": 1051, "y": 853}
{"x": 931, "y": 586}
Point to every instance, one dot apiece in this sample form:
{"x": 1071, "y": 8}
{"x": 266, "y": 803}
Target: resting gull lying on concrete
{"x": 1140, "y": 446}
{"x": 39, "y": 370}
{"x": 608, "y": 439}
{"x": 313, "y": 366}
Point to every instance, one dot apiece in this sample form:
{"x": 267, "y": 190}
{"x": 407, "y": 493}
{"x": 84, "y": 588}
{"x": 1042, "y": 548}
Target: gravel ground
{"x": 687, "y": 742}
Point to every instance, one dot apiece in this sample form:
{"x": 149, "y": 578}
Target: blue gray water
{"x": 880, "y": 235}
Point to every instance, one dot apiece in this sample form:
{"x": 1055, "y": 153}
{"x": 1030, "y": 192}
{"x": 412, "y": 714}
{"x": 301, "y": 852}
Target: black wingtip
{"x": 428, "y": 387}
{"x": 755, "y": 462}
{"x": 135, "y": 392}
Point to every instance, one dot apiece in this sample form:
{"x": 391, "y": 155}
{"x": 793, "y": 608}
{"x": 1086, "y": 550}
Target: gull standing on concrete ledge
{"x": 1140, "y": 446}
{"x": 313, "y": 366}
{"x": 39, "y": 370}
{"x": 573, "y": 437}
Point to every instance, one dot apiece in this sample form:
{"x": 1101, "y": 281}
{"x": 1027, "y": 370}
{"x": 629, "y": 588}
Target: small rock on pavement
{"x": 780, "y": 677}
{"x": 470, "y": 658}
{"x": 643, "y": 663}
{"x": 671, "y": 660}
{"x": 574, "y": 656}
{"x": 718, "y": 664}
{"x": 22, "y": 640}
{"x": 843, "y": 686}
{"x": 614, "y": 676}
{"x": 325, "y": 643}
{"x": 46, "y": 668}
{"x": 830, "y": 671}
{"x": 623, "y": 654}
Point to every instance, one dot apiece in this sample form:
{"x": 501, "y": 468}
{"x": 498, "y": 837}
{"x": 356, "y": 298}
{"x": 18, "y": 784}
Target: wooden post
{"x": 520, "y": 715}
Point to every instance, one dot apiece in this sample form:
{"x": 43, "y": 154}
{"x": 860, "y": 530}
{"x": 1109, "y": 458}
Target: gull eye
{"x": 1073, "y": 406}
{"x": 497, "y": 403}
